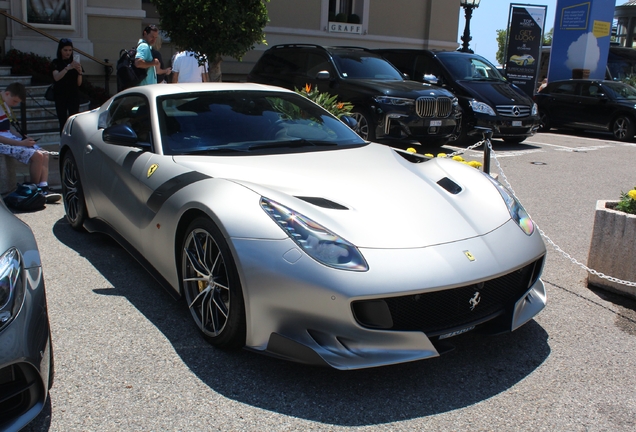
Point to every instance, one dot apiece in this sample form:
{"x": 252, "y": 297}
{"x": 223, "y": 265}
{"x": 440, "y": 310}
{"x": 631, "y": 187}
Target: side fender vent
{"x": 450, "y": 185}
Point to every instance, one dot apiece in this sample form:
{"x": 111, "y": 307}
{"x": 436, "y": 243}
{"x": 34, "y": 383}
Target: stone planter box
{"x": 613, "y": 249}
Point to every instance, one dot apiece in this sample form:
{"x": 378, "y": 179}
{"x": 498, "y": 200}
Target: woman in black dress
{"x": 67, "y": 74}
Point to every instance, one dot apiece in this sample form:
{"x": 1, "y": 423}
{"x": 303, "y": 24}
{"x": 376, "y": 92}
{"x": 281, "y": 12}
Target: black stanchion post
{"x": 486, "y": 164}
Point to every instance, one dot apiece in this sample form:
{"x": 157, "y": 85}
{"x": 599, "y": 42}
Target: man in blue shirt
{"x": 144, "y": 58}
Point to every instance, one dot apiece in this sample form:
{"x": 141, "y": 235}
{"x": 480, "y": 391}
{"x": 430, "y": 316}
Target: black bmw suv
{"x": 385, "y": 103}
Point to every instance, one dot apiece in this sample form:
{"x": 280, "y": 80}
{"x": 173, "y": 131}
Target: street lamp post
{"x": 468, "y": 6}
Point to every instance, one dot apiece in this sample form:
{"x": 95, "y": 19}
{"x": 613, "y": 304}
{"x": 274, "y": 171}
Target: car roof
{"x": 154, "y": 90}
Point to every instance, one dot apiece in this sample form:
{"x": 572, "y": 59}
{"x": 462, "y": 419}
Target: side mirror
{"x": 121, "y": 134}
{"x": 349, "y": 121}
{"x": 406, "y": 76}
{"x": 430, "y": 78}
{"x": 323, "y": 75}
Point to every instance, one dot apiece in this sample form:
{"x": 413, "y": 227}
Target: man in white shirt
{"x": 186, "y": 68}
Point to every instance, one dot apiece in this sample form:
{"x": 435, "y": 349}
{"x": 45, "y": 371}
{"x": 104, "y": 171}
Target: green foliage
{"x": 630, "y": 79}
{"x": 37, "y": 66}
{"x": 627, "y": 203}
{"x": 327, "y": 101}
{"x": 214, "y": 27}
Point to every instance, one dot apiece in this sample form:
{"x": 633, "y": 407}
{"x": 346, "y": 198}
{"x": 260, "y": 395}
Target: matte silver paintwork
{"x": 412, "y": 232}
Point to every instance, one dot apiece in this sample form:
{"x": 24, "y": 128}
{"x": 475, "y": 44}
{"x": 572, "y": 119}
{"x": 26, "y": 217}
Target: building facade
{"x": 102, "y": 28}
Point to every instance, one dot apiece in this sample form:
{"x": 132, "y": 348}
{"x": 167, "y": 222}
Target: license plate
{"x": 455, "y": 333}
{"x": 516, "y": 123}
{"x": 436, "y": 123}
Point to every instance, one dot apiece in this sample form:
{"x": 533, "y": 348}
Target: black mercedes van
{"x": 487, "y": 99}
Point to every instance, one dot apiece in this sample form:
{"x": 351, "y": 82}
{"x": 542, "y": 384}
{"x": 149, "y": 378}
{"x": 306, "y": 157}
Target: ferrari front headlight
{"x": 516, "y": 210}
{"x": 315, "y": 240}
{"x": 11, "y": 286}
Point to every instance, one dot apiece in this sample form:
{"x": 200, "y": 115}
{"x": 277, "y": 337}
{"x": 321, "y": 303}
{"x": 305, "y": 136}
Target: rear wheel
{"x": 211, "y": 285}
{"x": 72, "y": 193}
{"x": 623, "y": 128}
{"x": 365, "y": 127}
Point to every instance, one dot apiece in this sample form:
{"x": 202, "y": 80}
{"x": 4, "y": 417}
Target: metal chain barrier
{"x": 487, "y": 143}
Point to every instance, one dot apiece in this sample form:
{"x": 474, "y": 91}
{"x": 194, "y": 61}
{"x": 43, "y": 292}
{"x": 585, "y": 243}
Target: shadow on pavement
{"x": 481, "y": 367}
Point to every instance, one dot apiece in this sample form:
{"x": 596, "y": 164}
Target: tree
{"x": 502, "y": 38}
{"x": 214, "y": 28}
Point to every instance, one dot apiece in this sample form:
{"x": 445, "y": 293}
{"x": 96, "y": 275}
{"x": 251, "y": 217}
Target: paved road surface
{"x": 128, "y": 357}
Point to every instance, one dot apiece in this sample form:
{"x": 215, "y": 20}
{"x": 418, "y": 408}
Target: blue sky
{"x": 492, "y": 15}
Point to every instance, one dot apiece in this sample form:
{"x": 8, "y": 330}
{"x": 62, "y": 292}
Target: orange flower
{"x": 340, "y": 105}
{"x": 307, "y": 88}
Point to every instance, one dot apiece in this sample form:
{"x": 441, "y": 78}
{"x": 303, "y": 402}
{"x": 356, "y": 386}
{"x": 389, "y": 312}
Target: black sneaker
{"x": 51, "y": 197}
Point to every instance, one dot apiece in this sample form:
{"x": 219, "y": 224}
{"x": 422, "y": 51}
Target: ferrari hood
{"x": 371, "y": 196}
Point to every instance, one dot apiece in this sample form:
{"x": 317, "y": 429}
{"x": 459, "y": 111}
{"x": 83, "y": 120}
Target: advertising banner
{"x": 581, "y": 39}
{"x": 525, "y": 38}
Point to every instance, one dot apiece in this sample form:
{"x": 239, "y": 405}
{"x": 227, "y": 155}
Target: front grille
{"x": 436, "y": 313}
{"x": 434, "y": 107}
{"x": 20, "y": 390}
{"x": 513, "y": 110}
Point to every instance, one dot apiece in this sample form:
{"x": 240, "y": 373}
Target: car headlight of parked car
{"x": 387, "y": 100}
{"x": 315, "y": 240}
{"x": 11, "y": 286}
{"x": 535, "y": 109}
{"x": 516, "y": 210}
{"x": 481, "y": 107}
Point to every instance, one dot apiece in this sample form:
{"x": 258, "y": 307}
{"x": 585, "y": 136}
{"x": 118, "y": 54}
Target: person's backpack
{"x": 128, "y": 75}
{"x": 27, "y": 197}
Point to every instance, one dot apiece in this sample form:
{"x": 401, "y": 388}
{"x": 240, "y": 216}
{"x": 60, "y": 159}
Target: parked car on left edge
{"x": 26, "y": 354}
{"x": 590, "y": 105}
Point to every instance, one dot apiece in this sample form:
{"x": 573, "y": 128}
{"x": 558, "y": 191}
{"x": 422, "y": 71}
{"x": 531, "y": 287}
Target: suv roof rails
{"x": 350, "y": 47}
{"x": 297, "y": 46}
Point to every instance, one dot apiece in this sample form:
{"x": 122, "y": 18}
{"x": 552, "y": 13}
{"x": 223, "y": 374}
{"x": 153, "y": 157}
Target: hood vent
{"x": 322, "y": 202}
{"x": 450, "y": 185}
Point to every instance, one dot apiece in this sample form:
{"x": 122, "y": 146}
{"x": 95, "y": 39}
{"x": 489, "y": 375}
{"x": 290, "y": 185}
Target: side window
{"x": 133, "y": 111}
{"x": 565, "y": 89}
{"x": 590, "y": 90}
{"x": 283, "y": 62}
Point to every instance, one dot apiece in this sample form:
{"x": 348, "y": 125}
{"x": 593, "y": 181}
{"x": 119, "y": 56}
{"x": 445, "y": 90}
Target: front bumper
{"x": 406, "y": 123}
{"x": 300, "y": 310}
{"x": 505, "y": 127}
{"x": 25, "y": 353}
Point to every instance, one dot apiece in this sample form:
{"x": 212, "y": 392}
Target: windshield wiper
{"x": 291, "y": 144}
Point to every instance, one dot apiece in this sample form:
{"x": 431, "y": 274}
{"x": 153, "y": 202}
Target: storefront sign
{"x": 338, "y": 27}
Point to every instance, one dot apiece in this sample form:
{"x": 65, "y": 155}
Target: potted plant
{"x": 613, "y": 245}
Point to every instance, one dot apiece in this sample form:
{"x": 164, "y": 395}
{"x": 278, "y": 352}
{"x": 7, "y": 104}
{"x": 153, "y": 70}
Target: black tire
{"x": 211, "y": 285}
{"x": 51, "y": 362}
{"x": 514, "y": 140}
{"x": 365, "y": 127}
{"x": 623, "y": 128}
{"x": 72, "y": 193}
{"x": 545, "y": 121}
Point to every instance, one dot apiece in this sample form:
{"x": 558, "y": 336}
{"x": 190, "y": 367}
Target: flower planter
{"x": 613, "y": 248}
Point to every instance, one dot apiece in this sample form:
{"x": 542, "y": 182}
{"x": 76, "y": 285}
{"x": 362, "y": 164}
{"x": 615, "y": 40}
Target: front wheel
{"x": 72, "y": 192}
{"x": 365, "y": 127}
{"x": 545, "y": 122}
{"x": 623, "y": 128}
{"x": 211, "y": 285}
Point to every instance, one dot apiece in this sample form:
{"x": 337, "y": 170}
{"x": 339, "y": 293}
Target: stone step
{"x": 5, "y": 70}
{"x": 6, "y": 80}
{"x": 37, "y": 91}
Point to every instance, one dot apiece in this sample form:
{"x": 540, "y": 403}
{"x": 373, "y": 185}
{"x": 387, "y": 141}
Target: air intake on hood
{"x": 322, "y": 202}
{"x": 450, "y": 185}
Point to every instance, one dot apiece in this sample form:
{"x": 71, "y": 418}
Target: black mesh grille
{"x": 437, "y": 312}
{"x": 20, "y": 390}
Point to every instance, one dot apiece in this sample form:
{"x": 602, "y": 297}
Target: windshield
{"x": 620, "y": 90}
{"x": 364, "y": 65}
{"x": 471, "y": 68}
{"x": 240, "y": 122}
